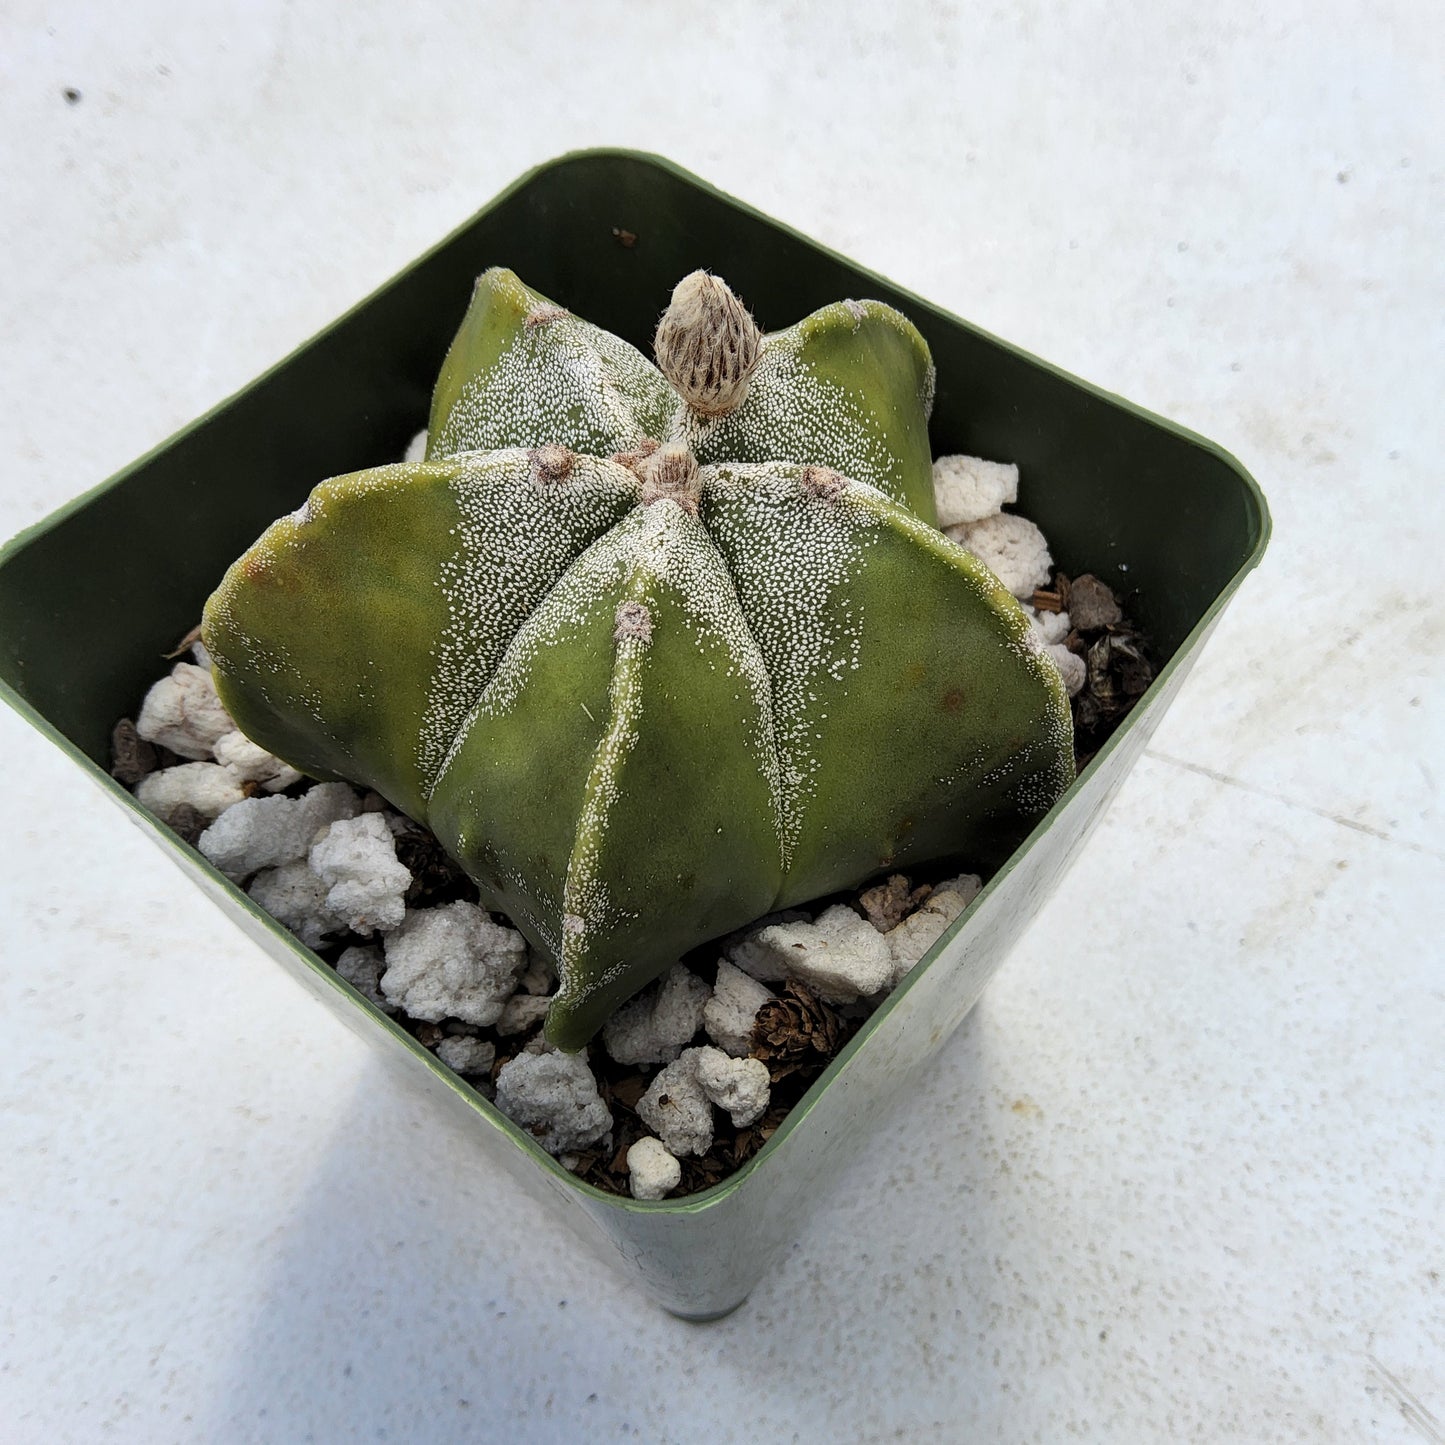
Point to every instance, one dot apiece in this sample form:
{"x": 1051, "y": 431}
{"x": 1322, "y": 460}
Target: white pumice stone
{"x": 466, "y": 1055}
{"x": 968, "y": 489}
{"x": 452, "y": 962}
{"x": 753, "y": 956}
{"x": 730, "y": 1013}
{"x": 678, "y": 1006}
{"x": 1074, "y": 669}
{"x": 253, "y": 763}
{"x": 1048, "y": 627}
{"x": 296, "y": 898}
{"x": 627, "y": 1035}
{"x": 250, "y": 761}
{"x": 210, "y": 788}
{"x": 183, "y": 713}
{"x": 747, "y": 951}
{"x": 677, "y": 1109}
{"x": 200, "y": 655}
{"x": 416, "y": 448}
{"x": 539, "y": 976}
{"x": 967, "y": 886}
{"x": 521, "y": 1012}
{"x": 267, "y": 832}
{"x": 740, "y": 1086}
{"x": 1011, "y": 547}
{"x": 841, "y": 956}
{"x": 921, "y": 930}
{"x": 554, "y": 1097}
{"x": 356, "y": 859}
{"x": 652, "y": 1028}
{"x": 361, "y": 966}
{"x": 652, "y": 1172}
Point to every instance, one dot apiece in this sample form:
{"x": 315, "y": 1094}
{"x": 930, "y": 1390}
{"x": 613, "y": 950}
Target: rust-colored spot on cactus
{"x": 953, "y": 699}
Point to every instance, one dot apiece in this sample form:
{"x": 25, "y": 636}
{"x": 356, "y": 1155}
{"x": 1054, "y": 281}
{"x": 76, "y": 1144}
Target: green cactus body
{"x": 645, "y": 694}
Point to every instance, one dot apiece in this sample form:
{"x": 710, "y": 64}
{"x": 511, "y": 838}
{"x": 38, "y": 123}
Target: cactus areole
{"x": 653, "y": 650}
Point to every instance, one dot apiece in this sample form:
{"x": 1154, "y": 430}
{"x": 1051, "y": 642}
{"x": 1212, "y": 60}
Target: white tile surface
{"x": 1181, "y": 1176}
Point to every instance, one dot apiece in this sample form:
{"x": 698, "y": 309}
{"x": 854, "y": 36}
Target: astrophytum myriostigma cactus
{"x": 653, "y": 652}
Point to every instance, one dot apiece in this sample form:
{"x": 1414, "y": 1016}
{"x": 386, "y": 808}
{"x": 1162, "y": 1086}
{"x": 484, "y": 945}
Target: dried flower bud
{"x": 671, "y": 473}
{"x": 707, "y": 345}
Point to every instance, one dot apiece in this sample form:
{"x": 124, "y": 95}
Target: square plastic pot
{"x": 92, "y": 596}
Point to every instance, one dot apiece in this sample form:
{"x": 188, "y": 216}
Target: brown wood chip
{"x": 185, "y": 644}
{"x": 1092, "y": 604}
{"x": 629, "y": 1090}
{"x": 435, "y": 879}
{"x": 888, "y": 904}
{"x": 187, "y": 823}
{"x": 131, "y": 757}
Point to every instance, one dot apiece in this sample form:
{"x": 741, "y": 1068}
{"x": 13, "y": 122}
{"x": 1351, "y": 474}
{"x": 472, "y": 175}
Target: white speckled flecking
{"x": 1180, "y": 1176}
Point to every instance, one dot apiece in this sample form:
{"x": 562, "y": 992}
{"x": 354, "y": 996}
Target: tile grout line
{"x": 1288, "y": 802}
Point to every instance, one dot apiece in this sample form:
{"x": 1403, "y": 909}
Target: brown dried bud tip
{"x": 823, "y": 483}
{"x": 634, "y": 459}
{"x": 707, "y": 345}
{"x": 633, "y": 620}
{"x": 541, "y": 315}
{"x": 671, "y": 473}
{"x": 550, "y": 464}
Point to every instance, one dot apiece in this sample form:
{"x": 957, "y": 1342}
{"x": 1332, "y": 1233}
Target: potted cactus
{"x": 654, "y": 652}
{"x": 606, "y": 575}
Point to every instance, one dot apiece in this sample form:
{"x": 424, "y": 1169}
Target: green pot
{"x": 91, "y": 597}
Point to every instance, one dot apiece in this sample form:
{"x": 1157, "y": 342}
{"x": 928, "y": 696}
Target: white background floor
{"x": 1181, "y": 1175}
